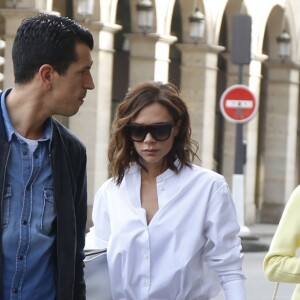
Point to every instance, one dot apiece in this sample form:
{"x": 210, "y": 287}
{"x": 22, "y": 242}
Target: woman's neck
{"x": 154, "y": 170}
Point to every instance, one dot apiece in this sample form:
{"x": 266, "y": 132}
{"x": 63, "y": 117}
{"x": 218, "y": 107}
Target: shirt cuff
{"x": 234, "y": 286}
{"x": 92, "y": 242}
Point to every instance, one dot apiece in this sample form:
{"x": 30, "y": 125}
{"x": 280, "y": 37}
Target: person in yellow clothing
{"x": 281, "y": 263}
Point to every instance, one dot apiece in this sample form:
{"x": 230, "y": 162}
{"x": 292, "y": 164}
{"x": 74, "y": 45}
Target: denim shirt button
{"x": 24, "y": 222}
{"x": 14, "y": 290}
{"x": 20, "y": 257}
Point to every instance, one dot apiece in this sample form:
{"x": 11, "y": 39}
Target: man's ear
{"x": 46, "y": 73}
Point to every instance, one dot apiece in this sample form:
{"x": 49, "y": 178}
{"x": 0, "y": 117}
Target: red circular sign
{"x": 238, "y": 104}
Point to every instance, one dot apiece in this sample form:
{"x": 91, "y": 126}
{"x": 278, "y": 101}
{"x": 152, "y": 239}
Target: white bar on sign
{"x": 239, "y": 103}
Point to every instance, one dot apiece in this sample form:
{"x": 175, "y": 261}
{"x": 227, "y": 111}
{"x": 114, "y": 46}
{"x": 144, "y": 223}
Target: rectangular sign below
{"x": 239, "y": 103}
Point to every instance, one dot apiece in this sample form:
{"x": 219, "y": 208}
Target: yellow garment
{"x": 281, "y": 262}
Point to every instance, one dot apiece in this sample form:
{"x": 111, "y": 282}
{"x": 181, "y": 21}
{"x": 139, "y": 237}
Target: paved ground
{"x": 255, "y": 248}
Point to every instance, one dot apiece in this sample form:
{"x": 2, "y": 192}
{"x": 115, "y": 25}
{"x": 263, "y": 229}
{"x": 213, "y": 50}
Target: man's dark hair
{"x": 46, "y": 39}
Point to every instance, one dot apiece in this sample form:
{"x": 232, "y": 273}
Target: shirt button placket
{"x": 160, "y": 184}
{"x": 147, "y": 275}
{"x": 146, "y": 267}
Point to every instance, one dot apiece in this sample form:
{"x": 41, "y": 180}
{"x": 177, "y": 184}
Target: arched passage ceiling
{"x": 266, "y": 22}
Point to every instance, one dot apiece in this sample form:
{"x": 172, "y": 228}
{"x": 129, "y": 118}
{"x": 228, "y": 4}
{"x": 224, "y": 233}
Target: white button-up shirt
{"x": 189, "y": 247}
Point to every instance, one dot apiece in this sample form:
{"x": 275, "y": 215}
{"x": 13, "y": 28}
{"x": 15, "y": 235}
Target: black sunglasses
{"x": 160, "y": 132}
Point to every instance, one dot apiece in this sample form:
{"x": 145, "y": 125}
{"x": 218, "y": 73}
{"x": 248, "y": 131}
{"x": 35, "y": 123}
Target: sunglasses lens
{"x": 137, "y": 133}
{"x": 159, "y": 132}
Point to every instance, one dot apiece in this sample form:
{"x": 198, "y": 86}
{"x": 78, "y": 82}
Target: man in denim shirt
{"x": 42, "y": 164}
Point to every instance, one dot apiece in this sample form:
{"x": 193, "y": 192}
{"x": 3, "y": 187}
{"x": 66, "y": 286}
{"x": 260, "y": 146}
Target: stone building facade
{"x": 125, "y": 55}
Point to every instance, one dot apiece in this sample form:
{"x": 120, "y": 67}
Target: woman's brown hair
{"x": 121, "y": 152}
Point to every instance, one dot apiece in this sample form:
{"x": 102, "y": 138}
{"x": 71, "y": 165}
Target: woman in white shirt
{"x": 170, "y": 227}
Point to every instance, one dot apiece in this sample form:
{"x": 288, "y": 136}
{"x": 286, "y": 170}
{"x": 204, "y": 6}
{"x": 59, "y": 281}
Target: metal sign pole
{"x": 238, "y": 192}
{"x": 240, "y": 55}
{"x": 239, "y": 155}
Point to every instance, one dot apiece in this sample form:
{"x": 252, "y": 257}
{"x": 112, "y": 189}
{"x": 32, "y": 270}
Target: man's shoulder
{"x": 67, "y": 136}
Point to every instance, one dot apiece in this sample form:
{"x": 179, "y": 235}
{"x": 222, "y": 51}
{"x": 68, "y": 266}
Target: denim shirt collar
{"x": 10, "y": 130}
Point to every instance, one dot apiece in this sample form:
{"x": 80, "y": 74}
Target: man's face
{"x": 70, "y": 88}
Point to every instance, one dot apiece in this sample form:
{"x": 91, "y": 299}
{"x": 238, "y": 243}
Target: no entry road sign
{"x": 238, "y": 104}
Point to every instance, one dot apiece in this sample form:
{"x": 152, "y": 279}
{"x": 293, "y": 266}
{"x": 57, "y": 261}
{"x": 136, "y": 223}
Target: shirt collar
{"x": 10, "y": 130}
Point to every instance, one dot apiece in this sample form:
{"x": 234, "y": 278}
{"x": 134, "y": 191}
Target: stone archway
{"x": 279, "y": 125}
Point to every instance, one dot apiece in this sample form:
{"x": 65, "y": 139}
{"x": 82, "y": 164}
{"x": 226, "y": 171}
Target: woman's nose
{"x": 149, "y": 138}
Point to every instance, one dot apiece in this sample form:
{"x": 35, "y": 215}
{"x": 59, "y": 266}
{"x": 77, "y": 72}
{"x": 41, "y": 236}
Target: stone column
{"x": 198, "y": 88}
{"x": 281, "y": 139}
{"x": 149, "y": 57}
{"x": 41, "y": 5}
{"x": 2, "y": 62}
{"x": 93, "y": 121}
{"x": 229, "y": 129}
{"x": 251, "y": 137}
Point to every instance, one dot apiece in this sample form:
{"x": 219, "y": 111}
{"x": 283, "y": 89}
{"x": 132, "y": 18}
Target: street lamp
{"x": 145, "y": 15}
{"x": 284, "y": 45}
{"x": 197, "y": 25}
{"x": 85, "y": 8}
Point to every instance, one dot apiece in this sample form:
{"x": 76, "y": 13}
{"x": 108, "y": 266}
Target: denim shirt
{"x": 28, "y": 219}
